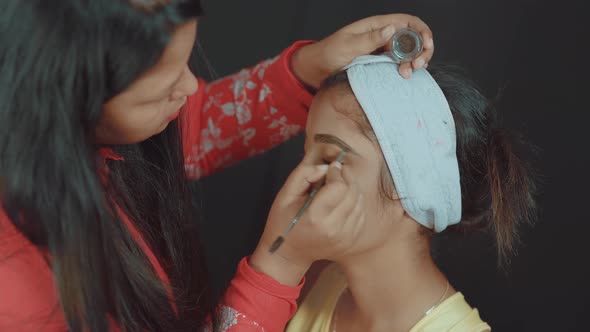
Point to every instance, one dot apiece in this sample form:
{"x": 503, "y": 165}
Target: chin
{"x": 162, "y": 128}
{"x": 154, "y": 133}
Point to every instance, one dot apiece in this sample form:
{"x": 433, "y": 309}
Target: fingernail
{"x": 388, "y": 32}
{"x": 409, "y": 72}
{"x": 425, "y": 65}
{"x": 430, "y": 43}
{"x": 419, "y": 63}
{"x": 337, "y": 164}
{"x": 323, "y": 168}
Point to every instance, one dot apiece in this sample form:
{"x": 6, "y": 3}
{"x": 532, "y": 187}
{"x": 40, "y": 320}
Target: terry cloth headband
{"x": 416, "y": 132}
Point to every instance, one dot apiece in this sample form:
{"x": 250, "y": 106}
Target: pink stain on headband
{"x": 439, "y": 142}
{"x": 419, "y": 124}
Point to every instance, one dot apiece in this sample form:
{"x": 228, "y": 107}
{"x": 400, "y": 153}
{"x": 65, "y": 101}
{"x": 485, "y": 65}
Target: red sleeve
{"x": 256, "y": 302}
{"x": 253, "y": 302}
{"x": 28, "y": 300}
{"x": 242, "y": 115}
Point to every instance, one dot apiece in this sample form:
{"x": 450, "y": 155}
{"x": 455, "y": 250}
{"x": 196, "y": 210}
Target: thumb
{"x": 334, "y": 173}
{"x": 370, "y": 41}
{"x": 302, "y": 178}
{"x": 333, "y": 191}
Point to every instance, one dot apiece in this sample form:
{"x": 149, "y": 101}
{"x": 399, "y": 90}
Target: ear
{"x": 410, "y": 226}
{"x": 393, "y": 210}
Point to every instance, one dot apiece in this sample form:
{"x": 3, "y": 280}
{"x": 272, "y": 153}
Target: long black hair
{"x": 60, "y": 61}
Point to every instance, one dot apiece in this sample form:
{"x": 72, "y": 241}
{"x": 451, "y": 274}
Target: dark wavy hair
{"x": 60, "y": 61}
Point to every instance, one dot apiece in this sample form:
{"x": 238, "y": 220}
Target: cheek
{"x": 373, "y": 200}
{"x": 379, "y": 220}
{"x": 366, "y": 176}
{"x": 127, "y": 126}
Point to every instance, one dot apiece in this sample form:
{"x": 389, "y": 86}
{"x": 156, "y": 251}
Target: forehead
{"x": 332, "y": 112}
{"x": 180, "y": 45}
{"x": 174, "y": 57}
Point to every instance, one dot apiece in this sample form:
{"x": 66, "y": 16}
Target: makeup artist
{"x": 101, "y": 124}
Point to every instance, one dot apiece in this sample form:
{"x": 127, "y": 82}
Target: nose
{"x": 187, "y": 85}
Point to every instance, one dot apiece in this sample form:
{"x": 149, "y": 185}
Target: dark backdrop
{"x": 530, "y": 53}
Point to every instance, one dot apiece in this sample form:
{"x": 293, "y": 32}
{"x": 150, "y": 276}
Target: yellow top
{"x": 316, "y": 312}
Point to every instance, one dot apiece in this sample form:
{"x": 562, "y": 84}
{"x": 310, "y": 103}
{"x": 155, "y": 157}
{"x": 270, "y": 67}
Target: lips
{"x": 174, "y": 115}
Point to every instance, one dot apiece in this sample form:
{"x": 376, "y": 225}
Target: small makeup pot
{"x": 406, "y": 45}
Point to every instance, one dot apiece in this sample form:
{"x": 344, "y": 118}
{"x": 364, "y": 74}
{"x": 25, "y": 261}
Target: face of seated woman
{"x": 336, "y": 122}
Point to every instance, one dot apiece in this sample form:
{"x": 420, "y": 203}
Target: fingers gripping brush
{"x": 279, "y": 241}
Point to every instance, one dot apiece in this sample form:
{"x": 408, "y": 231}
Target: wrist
{"x": 281, "y": 269}
{"x": 303, "y": 66}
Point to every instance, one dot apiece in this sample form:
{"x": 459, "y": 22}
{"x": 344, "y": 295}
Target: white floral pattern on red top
{"x": 242, "y": 104}
{"x": 229, "y": 318}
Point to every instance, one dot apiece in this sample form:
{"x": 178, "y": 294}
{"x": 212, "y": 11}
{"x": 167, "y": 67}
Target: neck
{"x": 392, "y": 287}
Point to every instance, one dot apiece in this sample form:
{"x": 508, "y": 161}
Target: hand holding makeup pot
{"x": 325, "y": 230}
{"x": 315, "y": 62}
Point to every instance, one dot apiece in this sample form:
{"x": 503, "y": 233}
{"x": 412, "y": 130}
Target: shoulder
{"x": 453, "y": 315}
{"x": 26, "y": 283}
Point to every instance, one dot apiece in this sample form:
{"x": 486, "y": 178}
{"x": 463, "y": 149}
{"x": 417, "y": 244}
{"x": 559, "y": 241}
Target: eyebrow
{"x": 331, "y": 139}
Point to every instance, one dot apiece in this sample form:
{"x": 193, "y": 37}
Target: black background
{"x": 530, "y": 53}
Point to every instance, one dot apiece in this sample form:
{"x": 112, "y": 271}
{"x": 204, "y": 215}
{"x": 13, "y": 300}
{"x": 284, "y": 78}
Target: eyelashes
{"x": 328, "y": 161}
{"x": 321, "y": 157}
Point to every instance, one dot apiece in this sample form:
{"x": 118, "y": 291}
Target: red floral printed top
{"x": 224, "y": 122}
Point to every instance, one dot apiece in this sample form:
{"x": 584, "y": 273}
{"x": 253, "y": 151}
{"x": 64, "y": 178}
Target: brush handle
{"x": 275, "y": 245}
{"x": 304, "y": 207}
{"x": 279, "y": 241}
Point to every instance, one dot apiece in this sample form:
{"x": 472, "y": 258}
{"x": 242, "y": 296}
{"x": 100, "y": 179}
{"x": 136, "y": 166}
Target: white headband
{"x": 416, "y": 132}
